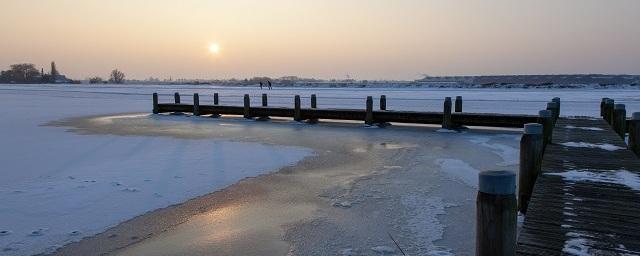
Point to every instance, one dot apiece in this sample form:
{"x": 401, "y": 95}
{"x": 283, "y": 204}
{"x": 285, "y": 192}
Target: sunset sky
{"x": 365, "y": 39}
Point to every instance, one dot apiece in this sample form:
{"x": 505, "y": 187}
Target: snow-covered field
{"x": 58, "y": 186}
{"x": 575, "y": 102}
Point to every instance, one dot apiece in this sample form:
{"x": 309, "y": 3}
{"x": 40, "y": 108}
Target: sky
{"x": 360, "y": 39}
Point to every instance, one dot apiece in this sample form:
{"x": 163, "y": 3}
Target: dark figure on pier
{"x": 269, "y": 83}
{"x": 260, "y": 85}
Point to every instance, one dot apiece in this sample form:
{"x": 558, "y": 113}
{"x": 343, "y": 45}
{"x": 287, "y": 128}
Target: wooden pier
{"x": 579, "y": 215}
{"x": 579, "y": 182}
{"x": 367, "y": 114}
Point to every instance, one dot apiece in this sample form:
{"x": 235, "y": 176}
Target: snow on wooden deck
{"x": 587, "y": 199}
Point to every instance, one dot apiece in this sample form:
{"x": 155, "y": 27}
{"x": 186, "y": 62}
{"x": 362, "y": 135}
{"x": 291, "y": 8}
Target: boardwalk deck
{"x": 582, "y": 216}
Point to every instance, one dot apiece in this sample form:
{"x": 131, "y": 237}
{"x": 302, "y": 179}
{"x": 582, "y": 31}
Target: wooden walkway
{"x": 580, "y": 216}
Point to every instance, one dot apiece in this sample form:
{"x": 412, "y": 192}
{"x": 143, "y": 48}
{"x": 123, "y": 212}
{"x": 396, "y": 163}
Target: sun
{"x": 214, "y": 48}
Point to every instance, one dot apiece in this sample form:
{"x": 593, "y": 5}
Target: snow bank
{"x": 621, "y": 177}
{"x": 605, "y": 146}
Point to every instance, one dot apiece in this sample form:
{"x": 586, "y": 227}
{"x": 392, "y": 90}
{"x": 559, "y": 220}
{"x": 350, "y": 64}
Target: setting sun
{"x": 214, "y": 48}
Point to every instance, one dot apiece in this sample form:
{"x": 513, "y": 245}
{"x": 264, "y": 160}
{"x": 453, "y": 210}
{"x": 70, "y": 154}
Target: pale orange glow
{"x": 365, "y": 39}
{"x": 214, "y": 48}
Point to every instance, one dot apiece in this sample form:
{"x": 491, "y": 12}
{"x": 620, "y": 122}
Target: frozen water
{"x": 58, "y": 187}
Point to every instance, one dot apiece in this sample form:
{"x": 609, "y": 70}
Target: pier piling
{"x": 383, "y": 102}
{"x": 196, "y": 104}
{"x": 247, "y": 107}
{"x": 608, "y": 110}
{"x": 297, "y": 113}
{"x": 458, "y": 105}
{"x": 620, "y": 119}
{"x": 634, "y": 133}
{"x": 496, "y": 214}
{"x": 446, "y": 117}
{"x": 545, "y": 118}
{"x": 531, "y": 147}
{"x": 602, "y": 102}
{"x": 368, "y": 120}
{"x": 216, "y": 101}
{"x": 176, "y": 98}
{"x": 314, "y": 105}
{"x": 156, "y": 109}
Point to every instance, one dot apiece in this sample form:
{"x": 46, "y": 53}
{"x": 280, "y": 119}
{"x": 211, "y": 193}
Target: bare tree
{"x": 117, "y": 77}
{"x": 21, "y": 73}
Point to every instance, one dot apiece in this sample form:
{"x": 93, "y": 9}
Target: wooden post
{"x": 557, "y": 101}
{"x": 620, "y": 120}
{"x": 553, "y": 107}
{"x": 383, "y": 102}
{"x": 264, "y": 100}
{"x": 215, "y": 103}
{"x": 247, "y": 106}
{"x": 458, "y": 104}
{"x": 604, "y": 100}
{"x": 545, "y": 118}
{"x": 297, "y": 113}
{"x": 156, "y": 109}
{"x": 196, "y": 104}
{"x": 608, "y": 108}
{"x": 496, "y": 214}
{"x": 368, "y": 119}
{"x": 634, "y": 133}
{"x": 176, "y": 97}
{"x": 446, "y": 114}
{"x": 531, "y": 145}
{"x": 314, "y": 101}
{"x": 314, "y": 105}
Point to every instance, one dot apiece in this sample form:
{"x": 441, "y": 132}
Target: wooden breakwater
{"x": 449, "y": 118}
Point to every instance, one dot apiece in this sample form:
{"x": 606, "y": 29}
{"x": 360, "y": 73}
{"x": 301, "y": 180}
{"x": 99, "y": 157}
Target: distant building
{"x": 56, "y": 77}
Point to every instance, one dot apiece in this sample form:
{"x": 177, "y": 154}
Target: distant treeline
{"x": 27, "y": 73}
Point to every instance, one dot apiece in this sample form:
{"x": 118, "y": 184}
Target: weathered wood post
{"x": 314, "y": 105}
{"x": 553, "y": 107}
{"x": 620, "y": 120}
{"x": 247, "y": 106}
{"x": 297, "y": 113}
{"x": 496, "y": 214}
{"x": 602, "y": 102}
{"x": 176, "y": 97}
{"x": 545, "y": 118}
{"x": 368, "y": 118}
{"x": 265, "y": 103}
{"x": 458, "y": 104}
{"x": 215, "y": 103}
{"x": 634, "y": 133}
{"x": 531, "y": 146}
{"x": 446, "y": 114}
{"x": 608, "y": 108}
{"x": 383, "y": 102}
{"x": 196, "y": 104}
{"x": 156, "y": 109}
{"x": 557, "y": 101}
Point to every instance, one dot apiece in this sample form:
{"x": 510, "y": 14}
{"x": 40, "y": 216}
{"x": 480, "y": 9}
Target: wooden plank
{"x": 606, "y": 216}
